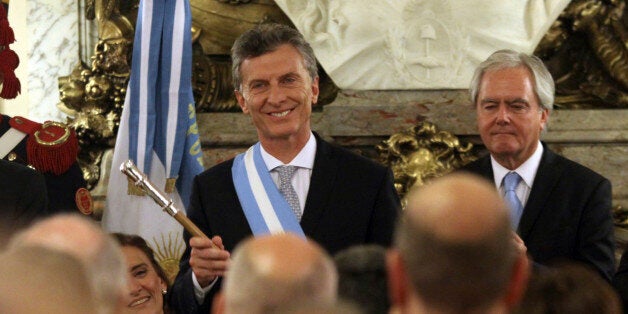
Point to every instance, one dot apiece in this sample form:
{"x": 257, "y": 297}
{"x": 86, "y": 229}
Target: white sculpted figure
{"x": 416, "y": 44}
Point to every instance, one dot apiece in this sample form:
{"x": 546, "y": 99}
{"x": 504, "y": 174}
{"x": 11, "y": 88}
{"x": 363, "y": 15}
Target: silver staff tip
{"x": 127, "y": 165}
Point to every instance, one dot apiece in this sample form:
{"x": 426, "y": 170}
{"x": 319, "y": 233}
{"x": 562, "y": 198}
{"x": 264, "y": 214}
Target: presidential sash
{"x": 265, "y": 208}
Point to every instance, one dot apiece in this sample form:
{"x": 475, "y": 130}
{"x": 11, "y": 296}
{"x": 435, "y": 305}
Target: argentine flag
{"x": 158, "y": 130}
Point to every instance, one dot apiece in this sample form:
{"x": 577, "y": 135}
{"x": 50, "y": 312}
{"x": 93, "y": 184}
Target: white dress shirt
{"x": 527, "y": 172}
{"x": 304, "y": 161}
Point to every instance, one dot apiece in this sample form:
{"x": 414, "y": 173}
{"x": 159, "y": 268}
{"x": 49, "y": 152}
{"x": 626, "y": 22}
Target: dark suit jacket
{"x": 23, "y": 197}
{"x": 351, "y": 200}
{"x": 568, "y": 213}
{"x": 620, "y": 281}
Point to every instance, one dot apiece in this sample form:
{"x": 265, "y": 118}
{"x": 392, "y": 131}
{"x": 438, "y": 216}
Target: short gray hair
{"x": 506, "y": 58}
{"x": 265, "y": 38}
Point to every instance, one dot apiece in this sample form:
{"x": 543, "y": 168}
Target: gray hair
{"x": 265, "y": 38}
{"x": 506, "y": 58}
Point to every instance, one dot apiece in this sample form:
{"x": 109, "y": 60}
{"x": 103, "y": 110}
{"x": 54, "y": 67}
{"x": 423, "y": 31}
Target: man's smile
{"x": 281, "y": 113}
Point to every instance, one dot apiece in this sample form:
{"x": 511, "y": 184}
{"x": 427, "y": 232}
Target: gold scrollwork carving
{"x": 421, "y": 153}
{"x": 586, "y": 50}
{"x": 93, "y": 96}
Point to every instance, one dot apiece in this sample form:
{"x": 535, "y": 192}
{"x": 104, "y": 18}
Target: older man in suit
{"x": 560, "y": 209}
{"x": 290, "y": 181}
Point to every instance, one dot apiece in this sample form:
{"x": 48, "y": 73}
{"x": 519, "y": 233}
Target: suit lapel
{"x": 486, "y": 169}
{"x": 321, "y": 186}
{"x": 547, "y": 177}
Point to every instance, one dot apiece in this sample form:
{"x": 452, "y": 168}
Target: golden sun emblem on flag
{"x": 168, "y": 251}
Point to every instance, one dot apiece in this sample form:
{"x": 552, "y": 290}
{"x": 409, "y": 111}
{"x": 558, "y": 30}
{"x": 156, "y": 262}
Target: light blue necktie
{"x": 511, "y": 180}
{"x": 286, "y": 189}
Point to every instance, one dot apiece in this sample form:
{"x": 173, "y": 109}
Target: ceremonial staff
{"x": 141, "y": 181}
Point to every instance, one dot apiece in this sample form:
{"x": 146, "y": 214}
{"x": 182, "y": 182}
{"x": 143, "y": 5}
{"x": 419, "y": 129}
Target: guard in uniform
{"x": 50, "y": 148}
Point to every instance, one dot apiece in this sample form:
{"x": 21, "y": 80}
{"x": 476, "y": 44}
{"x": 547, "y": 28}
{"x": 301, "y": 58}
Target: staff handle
{"x": 141, "y": 180}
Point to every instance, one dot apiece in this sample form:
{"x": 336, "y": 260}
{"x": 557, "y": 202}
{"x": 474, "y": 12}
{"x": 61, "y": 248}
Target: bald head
{"x": 457, "y": 208}
{"x": 86, "y": 241}
{"x": 272, "y": 270}
{"x": 68, "y": 233}
{"x": 456, "y": 240}
{"x": 41, "y": 280}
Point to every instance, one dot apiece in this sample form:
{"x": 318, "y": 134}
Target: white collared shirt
{"x": 304, "y": 161}
{"x": 527, "y": 172}
{"x": 300, "y": 181}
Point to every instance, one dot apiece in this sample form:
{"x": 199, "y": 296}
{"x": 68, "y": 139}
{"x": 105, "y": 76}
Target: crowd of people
{"x": 300, "y": 225}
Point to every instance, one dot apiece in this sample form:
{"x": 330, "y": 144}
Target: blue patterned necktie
{"x": 286, "y": 189}
{"x": 511, "y": 180}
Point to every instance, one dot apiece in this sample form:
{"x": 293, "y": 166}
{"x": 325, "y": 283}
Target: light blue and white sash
{"x": 266, "y": 210}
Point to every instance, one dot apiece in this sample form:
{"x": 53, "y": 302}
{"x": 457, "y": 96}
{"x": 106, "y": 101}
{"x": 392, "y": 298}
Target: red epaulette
{"x": 24, "y": 125}
{"x": 52, "y": 147}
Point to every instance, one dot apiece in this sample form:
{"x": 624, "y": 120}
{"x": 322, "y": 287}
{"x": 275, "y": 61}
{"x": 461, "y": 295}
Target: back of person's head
{"x": 362, "y": 277}
{"x": 41, "y": 280}
{"x": 268, "y": 271}
{"x": 82, "y": 238}
{"x": 266, "y": 38}
{"x": 569, "y": 288}
{"x": 454, "y": 248}
{"x": 542, "y": 80}
{"x": 339, "y": 307}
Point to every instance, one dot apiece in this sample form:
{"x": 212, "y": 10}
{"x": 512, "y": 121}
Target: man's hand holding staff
{"x": 208, "y": 257}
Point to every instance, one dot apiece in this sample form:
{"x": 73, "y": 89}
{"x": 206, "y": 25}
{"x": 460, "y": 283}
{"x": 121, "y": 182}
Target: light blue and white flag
{"x": 158, "y": 130}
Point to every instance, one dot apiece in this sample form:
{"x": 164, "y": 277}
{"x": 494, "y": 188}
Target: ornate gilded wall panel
{"x": 586, "y": 50}
{"x": 93, "y": 95}
{"x": 421, "y": 153}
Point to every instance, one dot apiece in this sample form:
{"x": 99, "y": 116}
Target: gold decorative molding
{"x": 93, "y": 96}
{"x": 421, "y": 153}
{"x": 586, "y": 50}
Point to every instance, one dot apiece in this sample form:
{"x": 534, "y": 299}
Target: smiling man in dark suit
{"x": 290, "y": 181}
{"x": 560, "y": 209}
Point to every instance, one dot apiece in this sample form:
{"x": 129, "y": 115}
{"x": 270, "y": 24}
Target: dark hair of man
{"x": 569, "y": 287}
{"x": 265, "y": 38}
{"x": 456, "y": 276}
{"x": 139, "y": 243}
{"x": 362, "y": 277}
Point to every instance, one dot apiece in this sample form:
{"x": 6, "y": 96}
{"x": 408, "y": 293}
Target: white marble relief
{"x": 53, "y": 52}
{"x": 416, "y": 44}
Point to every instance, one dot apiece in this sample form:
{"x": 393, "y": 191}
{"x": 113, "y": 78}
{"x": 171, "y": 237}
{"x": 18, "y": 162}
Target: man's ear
{"x": 518, "y": 281}
{"x": 218, "y": 304}
{"x": 397, "y": 279}
{"x": 315, "y": 90}
{"x": 544, "y": 119}
{"x": 241, "y": 102}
